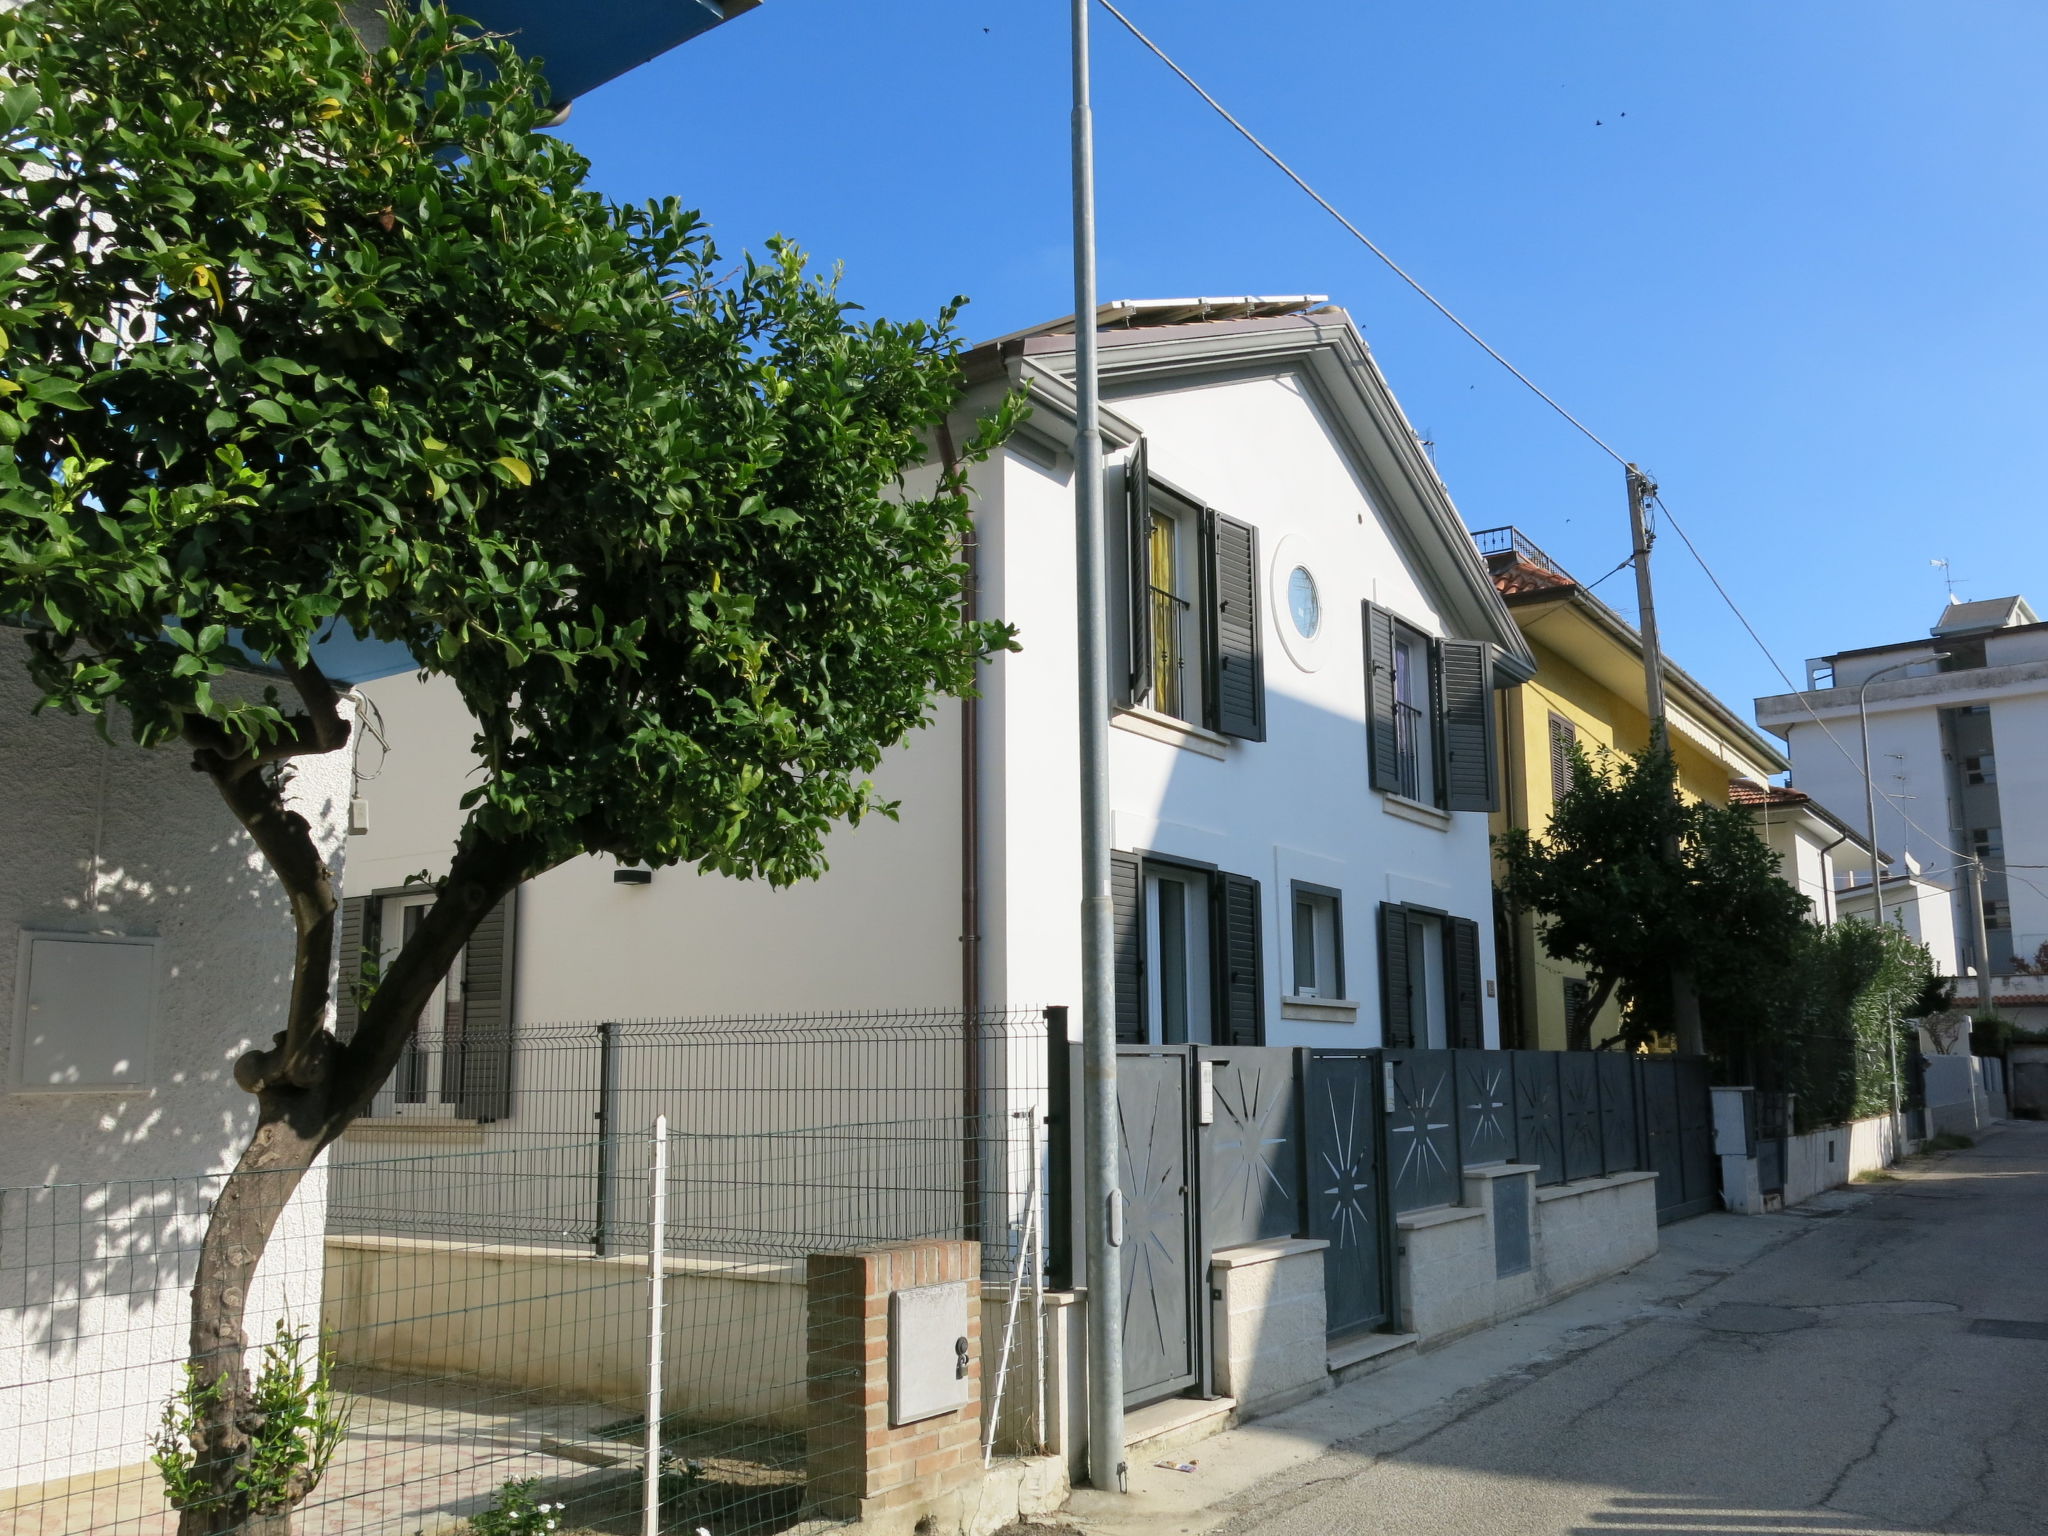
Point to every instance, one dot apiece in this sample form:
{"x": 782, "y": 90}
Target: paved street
{"x": 1883, "y": 1368}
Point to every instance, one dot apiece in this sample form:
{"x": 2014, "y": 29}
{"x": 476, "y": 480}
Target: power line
{"x": 1358, "y": 234}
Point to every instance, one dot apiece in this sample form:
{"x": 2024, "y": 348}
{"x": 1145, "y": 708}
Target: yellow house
{"x": 1588, "y": 689}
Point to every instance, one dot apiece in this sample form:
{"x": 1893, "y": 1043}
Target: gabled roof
{"x": 1987, "y": 613}
{"x": 1748, "y": 795}
{"x": 1157, "y": 343}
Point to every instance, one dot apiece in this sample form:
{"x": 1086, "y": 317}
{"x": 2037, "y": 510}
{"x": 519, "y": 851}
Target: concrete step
{"x": 1363, "y": 1353}
{"x": 1156, "y": 1431}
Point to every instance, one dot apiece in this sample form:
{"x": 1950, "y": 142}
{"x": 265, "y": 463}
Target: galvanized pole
{"x": 657, "y": 1267}
{"x": 1685, "y": 998}
{"x": 1980, "y": 938}
{"x": 1099, "y": 1191}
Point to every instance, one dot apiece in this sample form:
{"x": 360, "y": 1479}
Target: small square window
{"x": 85, "y": 1010}
{"x": 1318, "y": 942}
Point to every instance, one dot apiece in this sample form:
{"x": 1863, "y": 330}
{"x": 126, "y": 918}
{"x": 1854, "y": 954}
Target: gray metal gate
{"x": 1162, "y": 1312}
{"x": 1347, "y": 1197}
{"x": 1678, "y": 1124}
{"x": 1773, "y": 1130}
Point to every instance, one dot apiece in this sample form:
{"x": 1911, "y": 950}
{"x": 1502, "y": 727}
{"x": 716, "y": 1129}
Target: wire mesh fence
{"x": 482, "y": 1287}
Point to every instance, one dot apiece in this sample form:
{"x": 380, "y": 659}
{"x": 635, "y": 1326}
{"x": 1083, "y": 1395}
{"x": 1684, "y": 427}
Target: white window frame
{"x": 1198, "y": 952}
{"x": 429, "y": 1041}
{"x": 1325, "y": 908}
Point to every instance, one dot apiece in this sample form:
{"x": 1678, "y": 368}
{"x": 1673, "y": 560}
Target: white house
{"x": 143, "y": 947}
{"x": 1959, "y": 753}
{"x": 1305, "y": 641}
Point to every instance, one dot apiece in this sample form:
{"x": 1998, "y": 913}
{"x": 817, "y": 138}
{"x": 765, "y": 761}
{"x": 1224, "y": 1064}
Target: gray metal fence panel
{"x": 1578, "y": 1084}
{"x": 1162, "y": 1323}
{"x": 1539, "y": 1123}
{"x": 1250, "y": 1146}
{"x": 1422, "y": 1129}
{"x": 1486, "y": 1107}
{"x": 1348, "y": 1204}
{"x": 1621, "y": 1149}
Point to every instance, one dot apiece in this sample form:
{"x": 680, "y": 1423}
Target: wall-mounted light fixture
{"x": 632, "y": 874}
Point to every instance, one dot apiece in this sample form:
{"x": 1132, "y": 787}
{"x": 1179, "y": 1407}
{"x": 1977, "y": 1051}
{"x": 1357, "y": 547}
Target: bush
{"x": 515, "y": 1511}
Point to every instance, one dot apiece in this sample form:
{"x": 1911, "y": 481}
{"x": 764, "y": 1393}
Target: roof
{"x": 1988, "y": 613}
{"x": 1526, "y": 577}
{"x": 1748, "y": 795}
{"x": 1162, "y": 345}
{"x": 1133, "y": 314}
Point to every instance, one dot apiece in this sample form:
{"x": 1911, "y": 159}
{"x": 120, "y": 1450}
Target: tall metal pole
{"x": 1685, "y": 998}
{"x": 657, "y": 1268}
{"x": 1099, "y": 1188}
{"x": 1980, "y": 938}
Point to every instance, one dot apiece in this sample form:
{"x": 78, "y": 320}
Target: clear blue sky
{"x": 1791, "y": 257}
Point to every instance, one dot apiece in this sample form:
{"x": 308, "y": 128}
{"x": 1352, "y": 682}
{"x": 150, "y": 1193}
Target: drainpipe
{"x": 971, "y": 1107}
{"x": 1833, "y": 912}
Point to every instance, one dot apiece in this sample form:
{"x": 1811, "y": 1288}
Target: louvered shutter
{"x": 483, "y": 1063}
{"x": 1241, "y": 1019}
{"x": 1563, "y": 736}
{"x": 1136, "y": 595}
{"x": 1465, "y": 683}
{"x": 1234, "y": 589}
{"x": 1397, "y": 983}
{"x": 1127, "y": 944}
{"x": 357, "y": 937}
{"x": 1382, "y": 739}
{"x": 1468, "y": 1018}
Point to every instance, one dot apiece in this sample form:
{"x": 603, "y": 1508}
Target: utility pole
{"x": 1100, "y": 1191}
{"x": 1979, "y": 937}
{"x": 1685, "y": 998}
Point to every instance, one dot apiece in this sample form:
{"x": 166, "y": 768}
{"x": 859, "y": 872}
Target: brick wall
{"x": 858, "y": 1466}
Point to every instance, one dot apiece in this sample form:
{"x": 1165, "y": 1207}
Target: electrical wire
{"x": 1359, "y": 235}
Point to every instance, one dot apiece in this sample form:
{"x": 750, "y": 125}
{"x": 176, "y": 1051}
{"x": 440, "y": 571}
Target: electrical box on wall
{"x": 927, "y": 1351}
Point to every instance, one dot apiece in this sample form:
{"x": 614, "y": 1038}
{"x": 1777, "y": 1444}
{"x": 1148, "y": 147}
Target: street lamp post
{"x": 1891, "y": 1032}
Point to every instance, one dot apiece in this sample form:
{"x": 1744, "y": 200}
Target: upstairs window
{"x": 1429, "y": 715}
{"x": 1980, "y": 768}
{"x": 1318, "y": 942}
{"x": 1191, "y": 636}
{"x": 1563, "y": 737}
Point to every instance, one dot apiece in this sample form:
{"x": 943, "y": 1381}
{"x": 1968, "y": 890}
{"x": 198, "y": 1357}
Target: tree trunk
{"x": 287, "y": 1138}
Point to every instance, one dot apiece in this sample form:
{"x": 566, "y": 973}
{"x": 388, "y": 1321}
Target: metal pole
{"x": 1037, "y": 1320}
{"x": 607, "y": 1128}
{"x": 1980, "y": 938}
{"x": 1106, "y": 1468}
{"x": 1025, "y": 1239}
{"x": 1685, "y": 1001}
{"x": 657, "y": 1242}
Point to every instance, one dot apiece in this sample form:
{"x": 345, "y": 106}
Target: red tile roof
{"x": 1749, "y": 793}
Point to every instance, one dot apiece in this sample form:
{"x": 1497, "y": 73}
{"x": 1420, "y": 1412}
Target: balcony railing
{"x": 1512, "y": 541}
{"x": 1169, "y": 653}
{"x": 1410, "y": 736}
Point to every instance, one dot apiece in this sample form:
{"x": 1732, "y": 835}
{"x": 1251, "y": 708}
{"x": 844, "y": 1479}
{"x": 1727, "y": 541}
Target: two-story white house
{"x": 1305, "y": 642}
{"x": 1959, "y": 755}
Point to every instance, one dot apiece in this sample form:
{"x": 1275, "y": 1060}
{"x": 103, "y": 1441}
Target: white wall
{"x": 881, "y": 931}
{"x": 1295, "y": 806}
{"x": 99, "y": 1209}
{"x": 2019, "y": 732}
{"x": 1804, "y": 861}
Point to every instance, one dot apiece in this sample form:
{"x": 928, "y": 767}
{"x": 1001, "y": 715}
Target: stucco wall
{"x": 100, "y": 1206}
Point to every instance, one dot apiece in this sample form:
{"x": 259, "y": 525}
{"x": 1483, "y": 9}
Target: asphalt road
{"x": 1887, "y": 1371}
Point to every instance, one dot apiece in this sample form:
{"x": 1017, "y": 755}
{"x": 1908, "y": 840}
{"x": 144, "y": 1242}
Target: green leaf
{"x": 269, "y": 410}
{"x": 518, "y": 469}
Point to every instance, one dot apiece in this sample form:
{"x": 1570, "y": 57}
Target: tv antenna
{"x": 1948, "y": 577}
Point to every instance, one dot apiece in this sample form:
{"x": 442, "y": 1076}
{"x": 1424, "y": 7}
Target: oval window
{"x": 1303, "y": 603}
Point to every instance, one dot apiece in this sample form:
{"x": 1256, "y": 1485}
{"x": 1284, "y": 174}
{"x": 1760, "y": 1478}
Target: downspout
{"x": 1828, "y": 889}
{"x": 971, "y": 1107}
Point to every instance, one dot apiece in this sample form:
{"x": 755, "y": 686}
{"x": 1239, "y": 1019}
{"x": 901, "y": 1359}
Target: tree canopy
{"x": 305, "y": 336}
{"x": 1634, "y": 884}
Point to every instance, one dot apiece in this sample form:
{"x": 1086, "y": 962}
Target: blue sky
{"x": 1787, "y": 254}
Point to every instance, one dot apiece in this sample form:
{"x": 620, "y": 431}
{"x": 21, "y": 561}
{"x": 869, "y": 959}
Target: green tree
{"x": 1834, "y": 1022}
{"x": 1609, "y": 894}
{"x": 301, "y": 333}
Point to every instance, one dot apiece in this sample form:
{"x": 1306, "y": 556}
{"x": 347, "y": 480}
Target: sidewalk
{"x": 1421, "y": 1394}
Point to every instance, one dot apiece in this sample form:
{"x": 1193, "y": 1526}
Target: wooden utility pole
{"x": 1685, "y": 998}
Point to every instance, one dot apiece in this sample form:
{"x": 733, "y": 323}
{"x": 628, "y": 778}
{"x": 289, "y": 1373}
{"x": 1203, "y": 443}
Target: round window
{"x": 1303, "y": 603}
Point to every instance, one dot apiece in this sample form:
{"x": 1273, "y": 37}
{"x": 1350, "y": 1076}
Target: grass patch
{"x": 1947, "y": 1141}
{"x": 1875, "y": 1176}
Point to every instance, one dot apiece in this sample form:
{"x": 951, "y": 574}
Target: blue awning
{"x": 582, "y": 46}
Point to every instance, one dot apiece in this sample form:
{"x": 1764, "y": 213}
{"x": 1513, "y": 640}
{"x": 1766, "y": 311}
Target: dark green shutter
{"x": 357, "y": 937}
{"x": 1241, "y": 994}
{"x": 1137, "y": 593}
{"x": 1397, "y": 982}
{"x": 482, "y": 1063}
{"x": 1382, "y": 740}
{"x": 1461, "y": 963}
{"x": 1234, "y": 589}
{"x": 1127, "y": 945}
{"x": 1465, "y": 673}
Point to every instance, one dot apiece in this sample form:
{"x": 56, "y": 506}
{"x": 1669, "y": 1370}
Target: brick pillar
{"x": 857, "y": 1464}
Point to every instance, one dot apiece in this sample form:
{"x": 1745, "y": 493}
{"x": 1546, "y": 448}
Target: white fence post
{"x": 657, "y": 1240}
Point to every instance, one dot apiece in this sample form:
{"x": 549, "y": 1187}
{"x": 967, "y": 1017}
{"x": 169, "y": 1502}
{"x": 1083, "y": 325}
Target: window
{"x": 1429, "y": 713}
{"x": 1192, "y": 642}
{"x": 1318, "y": 959}
{"x": 1987, "y": 842}
{"x": 1304, "y": 603}
{"x": 1415, "y": 716}
{"x": 458, "y": 1061}
{"x": 1563, "y": 737}
{"x": 1980, "y": 768}
{"x": 1430, "y": 984}
{"x": 1176, "y": 649}
{"x": 1187, "y": 951}
{"x": 1997, "y": 914}
{"x": 85, "y": 1010}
